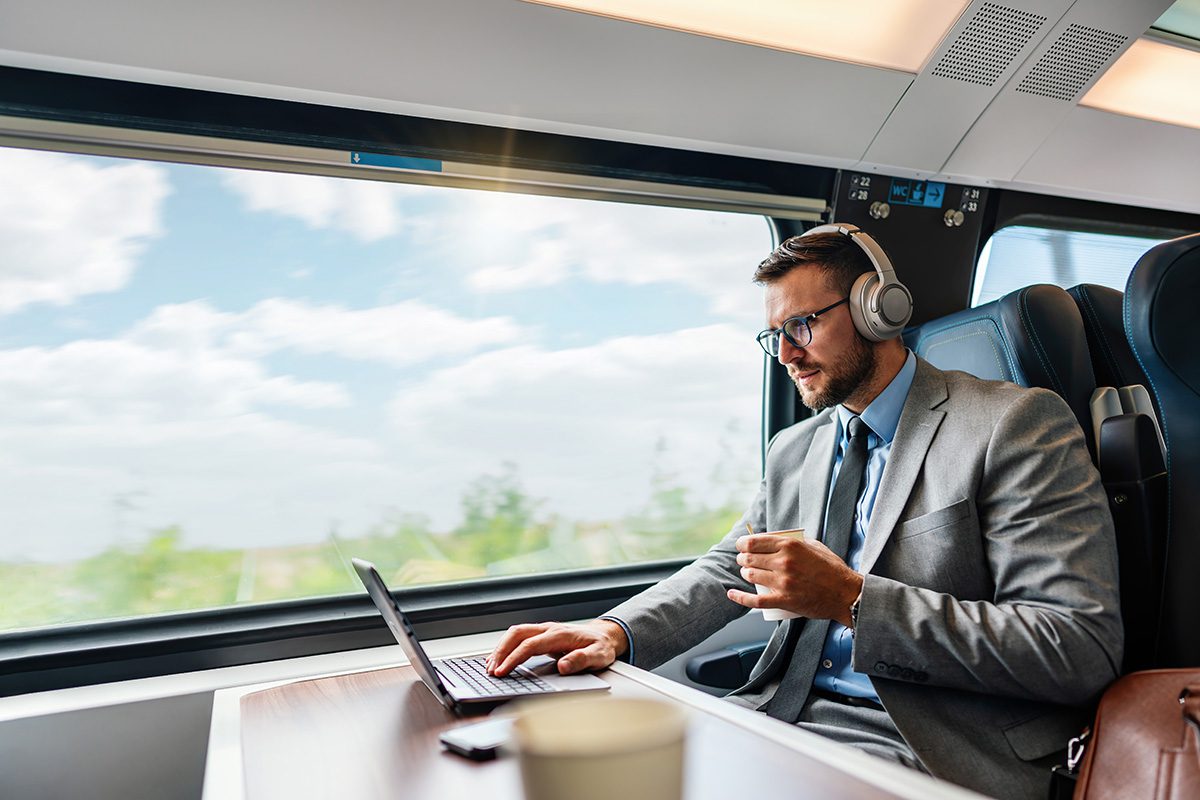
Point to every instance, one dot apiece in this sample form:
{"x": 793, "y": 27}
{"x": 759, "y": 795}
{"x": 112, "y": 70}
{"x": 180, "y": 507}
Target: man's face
{"x": 837, "y": 362}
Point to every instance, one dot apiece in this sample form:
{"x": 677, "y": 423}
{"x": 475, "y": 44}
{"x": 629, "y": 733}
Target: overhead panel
{"x": 994, "y": 36}
{"x": 985, "y": 47}
{"x": 310, "y": 160}
{"x": 893, "y": 34}
{"x": 1076, "y": 56}
{"x": 1043, "y": 91}
{"x": 1112, "y": 157}
{"x": 514, "y": 65}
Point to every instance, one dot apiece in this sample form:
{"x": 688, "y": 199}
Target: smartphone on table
{"x": 478, "y": 741}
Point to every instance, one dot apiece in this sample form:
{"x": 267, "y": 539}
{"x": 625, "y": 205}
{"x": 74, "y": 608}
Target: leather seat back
{"x": 1102, "y": 310}
{"x": 1032, "y": 337}
{"x": 1160, "y": 320}
{"x": 1131, "y": 467}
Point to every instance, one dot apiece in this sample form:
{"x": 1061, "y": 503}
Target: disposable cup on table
{"x": 600, "y": 748}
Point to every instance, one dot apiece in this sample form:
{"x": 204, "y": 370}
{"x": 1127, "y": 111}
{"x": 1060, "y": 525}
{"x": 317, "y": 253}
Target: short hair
{"x": 835, "y": 254}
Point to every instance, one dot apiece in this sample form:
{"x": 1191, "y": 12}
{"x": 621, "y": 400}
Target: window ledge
{"x": 104, "y": 652}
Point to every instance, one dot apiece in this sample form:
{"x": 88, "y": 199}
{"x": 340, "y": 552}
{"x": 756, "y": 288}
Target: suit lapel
{"x": 919, "y": 422}
{"x": 813, "y": 494}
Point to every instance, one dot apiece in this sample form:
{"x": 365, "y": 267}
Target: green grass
{"x": 501, "y": 534}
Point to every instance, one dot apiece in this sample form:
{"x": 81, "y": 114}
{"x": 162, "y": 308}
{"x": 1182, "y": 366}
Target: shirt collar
{"x": 882, "y": 416}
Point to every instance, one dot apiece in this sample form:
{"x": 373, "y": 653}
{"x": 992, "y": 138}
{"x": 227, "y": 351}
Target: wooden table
{"x": 375, "y": 735}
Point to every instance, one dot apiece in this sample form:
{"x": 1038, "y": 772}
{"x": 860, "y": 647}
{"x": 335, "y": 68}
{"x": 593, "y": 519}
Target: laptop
{"x": 456, "y": 682}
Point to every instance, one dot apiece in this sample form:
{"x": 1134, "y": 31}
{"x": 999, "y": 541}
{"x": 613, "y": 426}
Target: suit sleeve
{"x": 1052, "y": 630}
{"x": 688, "y": 607}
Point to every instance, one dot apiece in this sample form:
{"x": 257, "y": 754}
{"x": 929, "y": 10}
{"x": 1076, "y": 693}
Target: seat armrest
{"x": 727, "y": 668}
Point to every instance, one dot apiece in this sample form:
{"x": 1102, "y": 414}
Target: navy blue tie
{"x": 789, "y": 699}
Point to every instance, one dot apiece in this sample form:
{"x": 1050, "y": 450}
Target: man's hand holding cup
{"x": 795, "y": 577}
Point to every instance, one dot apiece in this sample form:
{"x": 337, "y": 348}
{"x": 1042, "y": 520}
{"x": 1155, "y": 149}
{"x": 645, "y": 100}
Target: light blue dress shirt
{"x": 834, "y": 673}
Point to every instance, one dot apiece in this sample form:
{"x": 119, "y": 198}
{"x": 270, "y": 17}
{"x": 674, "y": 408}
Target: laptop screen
{"x": 401, "y": 628}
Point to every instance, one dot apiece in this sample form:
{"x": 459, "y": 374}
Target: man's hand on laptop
{"x": 586, "y": 646}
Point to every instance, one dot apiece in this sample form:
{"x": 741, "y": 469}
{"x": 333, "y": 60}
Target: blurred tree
{"x": 500, "y": 533}
{"x": 158, "y": 576}
{"x": 498, "y": 521}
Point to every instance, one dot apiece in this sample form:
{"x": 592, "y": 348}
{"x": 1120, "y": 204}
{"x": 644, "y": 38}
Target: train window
{"x": 221, "y": 384}
{"x": 1181, "y": 19}
{"x": 1021, "y": 255}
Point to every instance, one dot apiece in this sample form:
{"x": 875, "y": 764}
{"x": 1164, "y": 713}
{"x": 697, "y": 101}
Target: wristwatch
{"x": 854, "y": 611}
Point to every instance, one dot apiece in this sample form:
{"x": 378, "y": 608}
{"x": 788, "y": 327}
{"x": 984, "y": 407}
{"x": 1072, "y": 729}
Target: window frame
{"x": 63, "y": 656}
{"x": 103, "y": 116}
{"x": 97, "y": 116}
{"x": 1007, "y": 208}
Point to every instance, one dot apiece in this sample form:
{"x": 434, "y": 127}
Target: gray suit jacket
{"x": 989, "y": 619}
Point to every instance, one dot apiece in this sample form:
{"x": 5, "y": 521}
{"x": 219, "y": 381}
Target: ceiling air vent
{"x": 987, "y": 46}
{"x": 1071, "y": 62}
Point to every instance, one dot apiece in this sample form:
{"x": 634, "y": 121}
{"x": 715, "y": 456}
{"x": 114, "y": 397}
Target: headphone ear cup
{"x": 860, "y": 307}
{"x": 895, "y": 309}
{"x": 869, "y": 294}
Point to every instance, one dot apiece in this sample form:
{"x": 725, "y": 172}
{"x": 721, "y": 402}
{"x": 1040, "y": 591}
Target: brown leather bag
{"x": 1146, "y": 739}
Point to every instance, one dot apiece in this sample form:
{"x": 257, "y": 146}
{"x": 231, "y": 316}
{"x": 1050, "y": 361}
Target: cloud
{"x": 237, "y": 481}
{"x": 186, "y": 429}
{"x": 399, "y": 334}
{"x": 546, "y": 264}
{"x": 522, "y": 241}
{"x": 505, "y": 242}
{"x": 183, "y": 426}
{"x": 182, "y": 412}
{"x": 73, "y": 227}
{"x": 367, "y": 210}
{"x": 89, "y": 382}
{"x": 585, "y": 423}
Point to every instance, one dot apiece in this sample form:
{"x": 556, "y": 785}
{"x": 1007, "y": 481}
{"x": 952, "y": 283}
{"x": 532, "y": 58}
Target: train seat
{"x": 1130, "y": 455}
{"x": 1113, "y": 360}
{"x": 1032, "y": 336}
{"x": 1101, "y": 309}
{"x": 1159, "y": 320}
{"x": 1042, "y": 336}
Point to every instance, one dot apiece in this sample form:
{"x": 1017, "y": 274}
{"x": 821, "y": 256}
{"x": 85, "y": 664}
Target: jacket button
{"x": 893, "y": 671}
{"x": 921, "y": 677}
{"x": 906, "y": 674}
{"x": 880, "y": 667}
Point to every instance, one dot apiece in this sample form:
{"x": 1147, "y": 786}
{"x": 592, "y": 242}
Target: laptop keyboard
{"x": 473, "y": 673}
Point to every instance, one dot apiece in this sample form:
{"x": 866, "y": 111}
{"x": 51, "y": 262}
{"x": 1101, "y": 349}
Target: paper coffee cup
{"x": 778, "y": 614}
{"x": 601, "y": 748}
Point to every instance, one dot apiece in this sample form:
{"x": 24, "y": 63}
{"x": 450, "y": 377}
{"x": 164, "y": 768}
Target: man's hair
{"x": 841, "y": 260}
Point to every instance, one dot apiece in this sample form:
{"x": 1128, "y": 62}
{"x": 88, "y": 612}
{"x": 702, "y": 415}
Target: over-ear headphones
{"x": 880, "y": 305}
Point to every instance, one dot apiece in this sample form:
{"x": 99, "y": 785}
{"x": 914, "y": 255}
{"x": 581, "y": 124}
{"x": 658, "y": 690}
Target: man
{"x": 971, "y": 591}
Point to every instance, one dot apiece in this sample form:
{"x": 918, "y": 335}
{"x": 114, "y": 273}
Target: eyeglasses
{"x": 797, "y": 330}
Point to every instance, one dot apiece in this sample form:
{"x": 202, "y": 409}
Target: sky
{"x": 262, "y": 358}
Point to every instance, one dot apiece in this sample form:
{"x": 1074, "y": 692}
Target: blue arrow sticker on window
{"x": 395, "y": 162}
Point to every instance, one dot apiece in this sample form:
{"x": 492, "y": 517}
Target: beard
{"x": 842, "y": 379}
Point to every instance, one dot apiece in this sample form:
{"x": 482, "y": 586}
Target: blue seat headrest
{"x": 1032, "y": 337}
